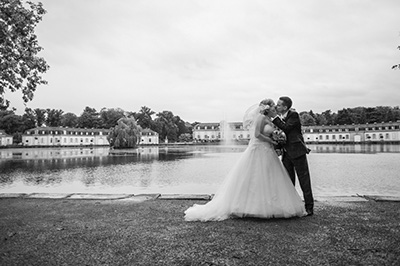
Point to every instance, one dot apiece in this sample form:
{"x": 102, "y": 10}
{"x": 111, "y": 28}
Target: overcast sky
{"x": 209, "y": 60}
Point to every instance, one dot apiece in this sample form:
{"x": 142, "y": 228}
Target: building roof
{"x": 382, "y": 124}
{"x": 148, "y": 131}
{"x": 4, "y": 134}
{"x": 69, "y": 129}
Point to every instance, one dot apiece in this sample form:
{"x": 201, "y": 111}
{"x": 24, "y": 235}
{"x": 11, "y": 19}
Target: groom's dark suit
{"x": 294, "y": 156}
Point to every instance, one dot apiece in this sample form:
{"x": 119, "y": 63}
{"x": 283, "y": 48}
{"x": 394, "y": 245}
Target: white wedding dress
{"x": 257, "y": 186}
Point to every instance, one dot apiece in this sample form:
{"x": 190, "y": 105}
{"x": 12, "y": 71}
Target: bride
{"x": 258, "y": 185}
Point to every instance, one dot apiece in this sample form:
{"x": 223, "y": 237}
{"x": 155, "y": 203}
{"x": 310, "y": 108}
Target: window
{"x": 327, "y": 137}
{"x": 334, "y": 137}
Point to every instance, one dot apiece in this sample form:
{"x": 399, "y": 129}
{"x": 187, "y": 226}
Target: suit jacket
{"x": 291, "y": 125}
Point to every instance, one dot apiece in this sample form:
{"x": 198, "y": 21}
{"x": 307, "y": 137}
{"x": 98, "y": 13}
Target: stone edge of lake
{"x": 166, "y": 196}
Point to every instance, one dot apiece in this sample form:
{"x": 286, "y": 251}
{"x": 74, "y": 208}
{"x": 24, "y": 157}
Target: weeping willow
{"x": 125, "y": 134}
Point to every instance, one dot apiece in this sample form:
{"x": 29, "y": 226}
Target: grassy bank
{"x": 112, "y": 232}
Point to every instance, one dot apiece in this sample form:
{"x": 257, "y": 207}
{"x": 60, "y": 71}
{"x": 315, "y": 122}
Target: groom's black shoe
{"x": 310, "y": 212}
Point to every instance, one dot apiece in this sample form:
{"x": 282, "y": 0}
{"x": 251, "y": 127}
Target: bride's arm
{"x": 258, "y": 131}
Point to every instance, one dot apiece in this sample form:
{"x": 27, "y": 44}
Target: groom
{"x": 295, "y": 152}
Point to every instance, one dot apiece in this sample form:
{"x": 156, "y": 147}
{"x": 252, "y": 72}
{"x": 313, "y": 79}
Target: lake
{"x": 336, "y": 170}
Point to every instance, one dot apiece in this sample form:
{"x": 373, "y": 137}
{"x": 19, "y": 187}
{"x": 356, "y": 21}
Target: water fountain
{"x": 226, "y": 133}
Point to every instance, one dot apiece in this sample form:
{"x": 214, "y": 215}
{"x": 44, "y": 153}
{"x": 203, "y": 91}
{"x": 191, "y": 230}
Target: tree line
{"x": 348, "y": 116}
{"x": 165, "y": 123}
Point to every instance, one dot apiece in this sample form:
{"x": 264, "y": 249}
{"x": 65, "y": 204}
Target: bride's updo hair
{"x": 265, "y": 105}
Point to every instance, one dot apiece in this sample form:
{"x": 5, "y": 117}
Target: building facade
{"x": 223, "y": 131}
{"x": 363, "y": 133}
{"x": 5, "y": 139}
{"x": 149, "y": 137}
{"x": 64, "y": 136}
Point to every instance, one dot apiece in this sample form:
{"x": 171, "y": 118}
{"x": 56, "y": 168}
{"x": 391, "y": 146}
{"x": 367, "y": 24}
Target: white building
{"x": 206, "y": 132}
{"x": 64, "y": 136}
{"x": 148, "y": 137}
{"x": 362, "y": 133}
{"x": 5, "y": 139}
{"x": 223, "y": 131}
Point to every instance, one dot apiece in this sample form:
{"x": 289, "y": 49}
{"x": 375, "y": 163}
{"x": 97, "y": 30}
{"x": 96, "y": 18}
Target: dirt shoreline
{"x": 147, "y": 231}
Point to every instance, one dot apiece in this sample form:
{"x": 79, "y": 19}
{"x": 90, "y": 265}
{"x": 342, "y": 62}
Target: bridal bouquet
{"x": 280, "y": 137}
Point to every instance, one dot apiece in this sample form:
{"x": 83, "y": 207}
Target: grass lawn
{"x": 113, "y": 232}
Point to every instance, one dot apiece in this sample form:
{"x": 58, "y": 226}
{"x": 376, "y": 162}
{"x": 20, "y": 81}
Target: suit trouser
{"x": 299, "y": 166}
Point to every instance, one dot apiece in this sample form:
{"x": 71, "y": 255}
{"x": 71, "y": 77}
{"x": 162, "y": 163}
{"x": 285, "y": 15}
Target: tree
{"x": 20, "y": 67}
{"x": 344, "y": 117}
{"x": 186, "y": 137}
{"x": 125, "y": 134}
{"x": 12, "y": 124}
{"x": 69, "y": 120}
{"x": 29, "y": 118}
{"x": 372, "y": 115}
{"x": 144, "y": 119}
{"x": 166, "y": 127}
{"x": 110, "y": 117}
{"x": 89, "y": 118}
{"x": 54, "y": 117}
{"x": 320, "y": 120}
{"x": 40, "y": 117}
{"x": 182, "y": 129}
{"x": 307, "y": 119}
{"x": 329, "y": 117}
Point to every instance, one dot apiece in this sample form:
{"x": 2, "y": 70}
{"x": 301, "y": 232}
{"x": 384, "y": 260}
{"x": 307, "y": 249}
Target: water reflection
{"x": 336, "y": 169}
{"x": 355, "y": 148}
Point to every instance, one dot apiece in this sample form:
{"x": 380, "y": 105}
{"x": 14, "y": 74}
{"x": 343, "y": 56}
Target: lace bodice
{"x": 267, "y": 131}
